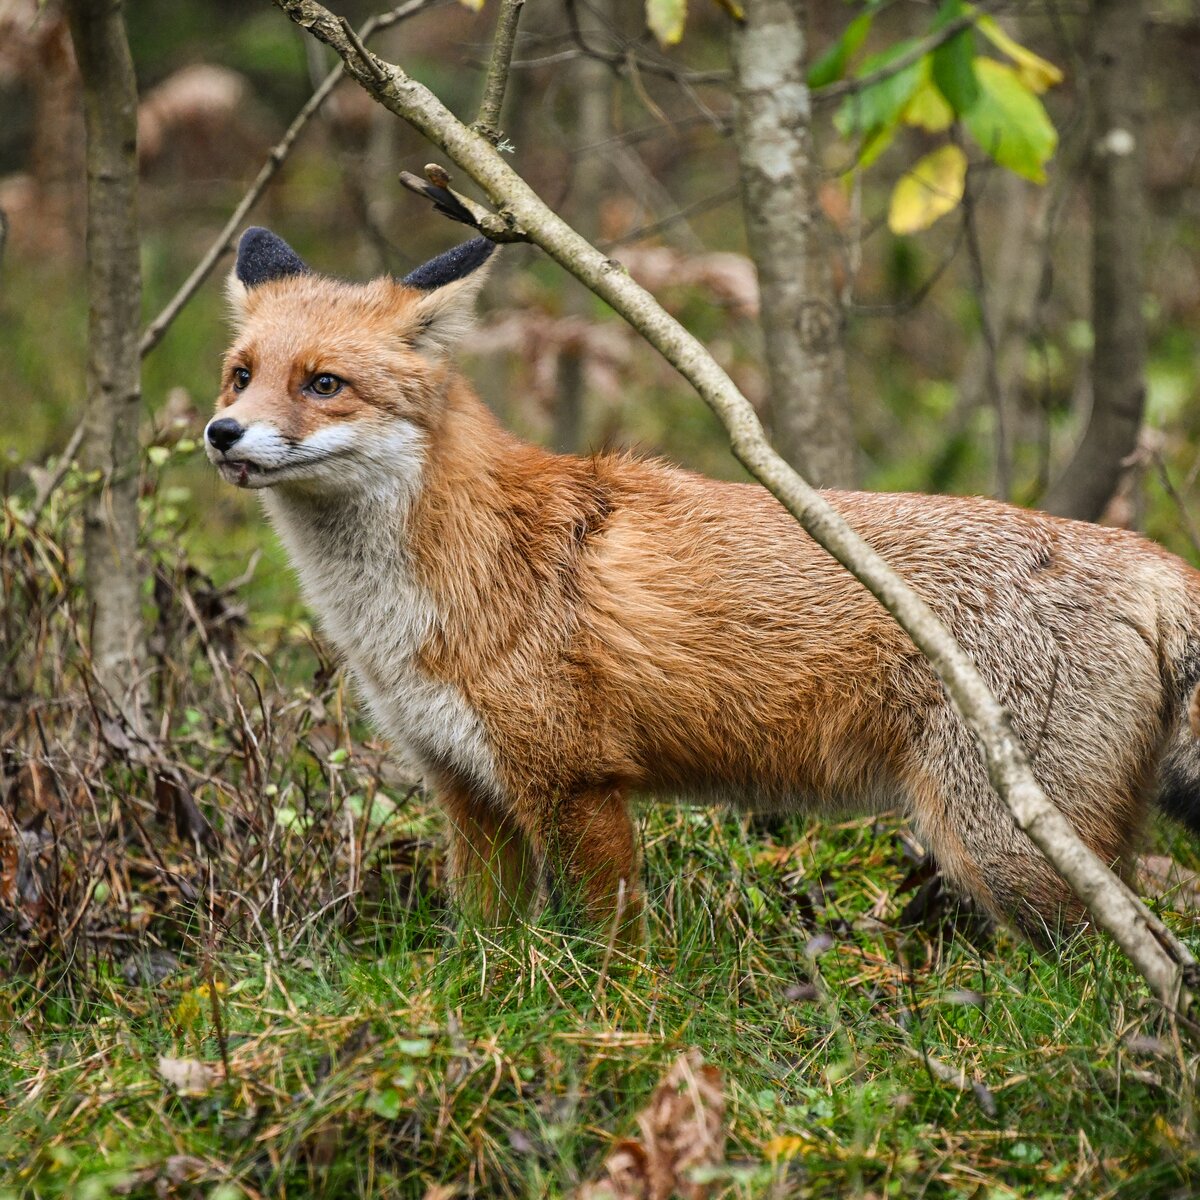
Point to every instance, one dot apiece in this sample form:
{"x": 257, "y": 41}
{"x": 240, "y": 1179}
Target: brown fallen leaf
{"x": 189, "y": 1076}
{"x": 682, "y": 1128}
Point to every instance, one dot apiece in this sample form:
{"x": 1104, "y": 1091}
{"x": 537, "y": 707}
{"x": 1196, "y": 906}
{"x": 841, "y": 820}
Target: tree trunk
{"x": 593, "y": 91}
{"x": 110, "y": 443}
{"x": 1115, "y": 187}
{"x": 801, "y": 317}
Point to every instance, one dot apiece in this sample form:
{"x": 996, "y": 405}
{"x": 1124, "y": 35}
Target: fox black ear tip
{"x": 456, "y": 263}
{"x": 263, "y": 256}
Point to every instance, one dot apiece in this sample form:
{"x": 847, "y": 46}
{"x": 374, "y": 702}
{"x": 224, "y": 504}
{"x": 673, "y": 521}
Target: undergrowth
{"x": 251, "y": 890}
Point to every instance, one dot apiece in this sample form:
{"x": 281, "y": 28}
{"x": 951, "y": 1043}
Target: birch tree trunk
{"x": 110, "y": 442}
{"x": 1119, "y": 332}
{"x": 801, "y": 317}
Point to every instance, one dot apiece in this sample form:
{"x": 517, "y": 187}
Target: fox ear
{"x": 263, "y": 257}
{"x": 449, "y": 284}
{"x": 456, "y": 263}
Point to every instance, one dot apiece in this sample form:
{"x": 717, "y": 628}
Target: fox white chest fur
{"x": 355, "y": 573}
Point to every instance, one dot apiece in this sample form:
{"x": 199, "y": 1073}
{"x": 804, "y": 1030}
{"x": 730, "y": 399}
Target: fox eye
{"x": 325, "y": 385}
{"x": 241, "y": 379}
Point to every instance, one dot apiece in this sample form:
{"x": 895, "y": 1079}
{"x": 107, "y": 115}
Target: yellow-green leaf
{"x": 1036, "y": 73}
{"x": 473, "y": 5}
{"x": 1010, "y": 123}
{"x": 930, "y": 190}
{"x": 928, "y": 109}
{"x": 665, "y": 19}
{"x": 733, "y": 8}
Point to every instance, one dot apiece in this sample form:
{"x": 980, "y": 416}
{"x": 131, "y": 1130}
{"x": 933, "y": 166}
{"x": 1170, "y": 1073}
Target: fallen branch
{"x": 1163, "y": 960}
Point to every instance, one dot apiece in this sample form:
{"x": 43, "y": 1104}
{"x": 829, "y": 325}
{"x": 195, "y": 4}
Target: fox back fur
{"x": 546, "y": 634}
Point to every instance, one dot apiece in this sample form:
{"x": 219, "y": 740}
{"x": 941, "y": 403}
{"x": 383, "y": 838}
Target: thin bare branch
{"x": 1163, "y": 960}
{"x": 487, "y": 122}
{"x": 626, "y": 60}
{"x": 47, "y": 489}
{"x": 703, "y": 205}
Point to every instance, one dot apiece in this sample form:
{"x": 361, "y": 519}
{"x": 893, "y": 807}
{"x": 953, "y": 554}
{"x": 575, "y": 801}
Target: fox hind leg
{"x": 493, "y": 866}
{"x": 591, "y": 853}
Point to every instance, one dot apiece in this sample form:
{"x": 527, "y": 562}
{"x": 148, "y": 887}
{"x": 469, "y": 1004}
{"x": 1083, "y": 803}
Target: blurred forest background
{"x": 649, "y": 165}
{"x": 228, "y": 922}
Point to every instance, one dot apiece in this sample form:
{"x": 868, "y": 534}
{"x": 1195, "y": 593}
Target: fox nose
{"x": 223, "y": 432}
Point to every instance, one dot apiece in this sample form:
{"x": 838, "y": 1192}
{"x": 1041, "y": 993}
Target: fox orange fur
{"x": 546, "y": 635}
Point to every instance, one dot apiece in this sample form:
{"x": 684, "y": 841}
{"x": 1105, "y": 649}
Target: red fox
{"x": 546, "y": 635}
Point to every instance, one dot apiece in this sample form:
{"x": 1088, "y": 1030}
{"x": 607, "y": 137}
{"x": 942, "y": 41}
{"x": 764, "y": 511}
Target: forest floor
{"x": 229, "y": 969}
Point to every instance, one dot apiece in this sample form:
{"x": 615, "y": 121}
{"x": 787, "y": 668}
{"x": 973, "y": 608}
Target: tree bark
{"x": 801, "y": 317}
{"x": 593, "y": 89}
{"x": 110, "y": 441}
{"x": 1118, "y": 329}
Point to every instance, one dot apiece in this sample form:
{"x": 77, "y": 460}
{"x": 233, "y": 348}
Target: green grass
{"x": 411, "y": 1050}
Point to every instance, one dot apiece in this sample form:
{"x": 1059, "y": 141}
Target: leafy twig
{"x": 927, "y": 45}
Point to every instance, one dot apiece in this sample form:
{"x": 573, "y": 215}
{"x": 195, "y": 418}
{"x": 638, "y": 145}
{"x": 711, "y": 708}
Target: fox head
{"x": 330, "y": 385}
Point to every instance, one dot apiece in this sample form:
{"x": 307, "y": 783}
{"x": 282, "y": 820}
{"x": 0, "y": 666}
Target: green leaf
{"x": 930, "y": 190}
{"x": 953, "y": 62}
{"x": 665, "y": 19}
{"x": 1010, "y": 123}
{"x": 880, "y": 104}
{"x": 158, "y": 455}
{"x": 385, "y": 1103}
{"x": 831, "y": 66}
